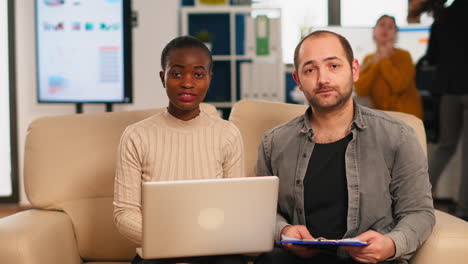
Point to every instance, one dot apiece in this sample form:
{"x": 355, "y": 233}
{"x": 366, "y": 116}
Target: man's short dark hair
{"x": 184, "y": 42}
{"x": 344, "y": 43}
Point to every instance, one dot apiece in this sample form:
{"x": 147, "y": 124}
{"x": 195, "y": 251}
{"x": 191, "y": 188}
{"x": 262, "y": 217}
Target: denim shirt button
{"x": 304, "y": 155}
{"x": 298, "y": 182}
{"x": 299, "y": 211}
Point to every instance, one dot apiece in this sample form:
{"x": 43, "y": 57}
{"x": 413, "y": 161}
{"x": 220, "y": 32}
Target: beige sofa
{"x": 69, "y": 172}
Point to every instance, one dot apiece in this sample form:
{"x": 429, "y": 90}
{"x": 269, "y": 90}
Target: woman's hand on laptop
{"x": 300, "y": 232}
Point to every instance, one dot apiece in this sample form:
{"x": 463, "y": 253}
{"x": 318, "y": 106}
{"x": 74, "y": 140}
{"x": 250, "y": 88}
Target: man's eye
{"x": 309, "y": 70}
{"x": 335, "y": 66}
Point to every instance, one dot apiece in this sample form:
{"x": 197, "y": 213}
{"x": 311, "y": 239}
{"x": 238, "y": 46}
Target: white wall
{"x": 157, "y": 24}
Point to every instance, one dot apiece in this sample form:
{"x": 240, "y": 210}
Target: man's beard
{"x": 341, "y": 99}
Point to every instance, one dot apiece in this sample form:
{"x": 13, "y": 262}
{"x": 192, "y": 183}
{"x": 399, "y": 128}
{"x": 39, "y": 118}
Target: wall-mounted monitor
{"x": 83, "y": 51}
{"x": 8, "y": 132}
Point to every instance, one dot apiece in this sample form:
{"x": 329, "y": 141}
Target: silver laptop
{"x": 208, "y": 217}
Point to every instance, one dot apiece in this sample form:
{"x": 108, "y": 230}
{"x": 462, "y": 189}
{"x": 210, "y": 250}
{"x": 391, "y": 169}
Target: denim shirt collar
{"x": 357, "y": 123}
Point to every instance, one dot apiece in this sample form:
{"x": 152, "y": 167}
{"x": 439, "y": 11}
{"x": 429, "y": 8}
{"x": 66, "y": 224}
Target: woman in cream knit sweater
{"x": 180, "y": 143}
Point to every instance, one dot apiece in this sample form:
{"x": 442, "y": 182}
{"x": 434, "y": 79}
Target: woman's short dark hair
{"x": 184, "y": 42}
{"x": 344, "y": 43}
{"x": 389, "y": 16}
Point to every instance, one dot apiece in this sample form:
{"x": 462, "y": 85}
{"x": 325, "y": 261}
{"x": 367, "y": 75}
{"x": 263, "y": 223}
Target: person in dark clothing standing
{"x": 447, "y": 50}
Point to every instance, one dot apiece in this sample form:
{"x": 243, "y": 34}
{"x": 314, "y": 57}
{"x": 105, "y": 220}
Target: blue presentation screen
{"x": 83, "y": 51}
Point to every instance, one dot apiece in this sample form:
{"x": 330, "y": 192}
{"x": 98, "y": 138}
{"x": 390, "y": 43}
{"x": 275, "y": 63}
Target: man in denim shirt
{"x": 346, "y": 171}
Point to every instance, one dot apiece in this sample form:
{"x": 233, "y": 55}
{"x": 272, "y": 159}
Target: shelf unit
{"x": 234, "y": 44}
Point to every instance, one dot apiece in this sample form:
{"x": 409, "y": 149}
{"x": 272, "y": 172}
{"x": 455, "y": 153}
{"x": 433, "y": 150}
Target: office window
{"x": 364, "y": 13}
{"x": 7, "y": 151}
{"x": 297, "y": 15}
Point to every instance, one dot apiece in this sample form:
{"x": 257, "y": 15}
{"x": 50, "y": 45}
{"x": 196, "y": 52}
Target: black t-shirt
{"x": 325, "y": 190}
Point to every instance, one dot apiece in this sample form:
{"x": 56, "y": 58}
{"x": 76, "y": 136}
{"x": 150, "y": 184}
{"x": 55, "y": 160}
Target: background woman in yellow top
{"x": 387, "y": 75}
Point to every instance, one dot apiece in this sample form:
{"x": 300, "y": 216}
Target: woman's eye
{"x": 176, "y": 75}
{"x": 199, "y": 75}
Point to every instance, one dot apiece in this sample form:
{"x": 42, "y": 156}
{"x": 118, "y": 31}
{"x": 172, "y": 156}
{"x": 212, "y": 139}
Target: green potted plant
{"x": 205, "y": 36}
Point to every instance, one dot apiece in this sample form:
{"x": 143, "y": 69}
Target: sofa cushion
{"x": 38, "y": 236}
{"x": 447, "y": 243}
{"x": 271, "y": 114}
{"x": 73, "y": 157}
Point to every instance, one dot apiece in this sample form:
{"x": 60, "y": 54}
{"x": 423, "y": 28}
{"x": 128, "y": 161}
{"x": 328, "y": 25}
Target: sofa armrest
{"x": 38, "y": 236}
{"x": 446, "y": 244}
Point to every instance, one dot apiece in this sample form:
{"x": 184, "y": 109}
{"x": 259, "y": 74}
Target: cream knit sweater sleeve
{"x": 233, "y": 149}
{"x": 127, "y": 187}
{"x": 163, "y": 148}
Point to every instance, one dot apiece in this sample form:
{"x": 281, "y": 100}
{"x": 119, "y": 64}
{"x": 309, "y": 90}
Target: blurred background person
{"x": 387, "y": 75}
{"x": 447, "y": 51}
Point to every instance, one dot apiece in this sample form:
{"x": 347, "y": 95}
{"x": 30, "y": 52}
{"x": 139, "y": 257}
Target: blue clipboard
{"x": 325, "y": 242}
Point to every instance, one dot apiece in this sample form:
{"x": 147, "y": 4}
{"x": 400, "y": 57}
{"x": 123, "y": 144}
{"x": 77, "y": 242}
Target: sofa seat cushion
{"x": 96, "y": 235}
{"x": 447, "y": 243}
{"x": 38, "y": 236}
